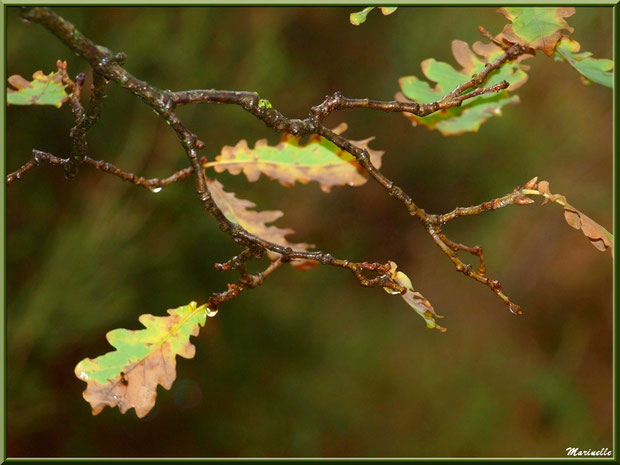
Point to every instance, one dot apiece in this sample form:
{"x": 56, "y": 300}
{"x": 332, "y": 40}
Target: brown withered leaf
{"x": 291, "y": 161}
{"x": 543, "y": 188}
{"x": 240, "y": 211}
{"x": 599, "y": 236}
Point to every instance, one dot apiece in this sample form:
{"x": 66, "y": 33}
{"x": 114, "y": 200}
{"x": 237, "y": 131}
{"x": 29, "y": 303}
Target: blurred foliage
{"x": 360, "y": 17}
{"x": 311, "y": 364}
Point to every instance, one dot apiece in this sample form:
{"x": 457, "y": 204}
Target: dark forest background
{"x": 311, "y": 364}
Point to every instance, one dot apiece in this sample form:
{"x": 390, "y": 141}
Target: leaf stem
{"x": 535, "y": 192}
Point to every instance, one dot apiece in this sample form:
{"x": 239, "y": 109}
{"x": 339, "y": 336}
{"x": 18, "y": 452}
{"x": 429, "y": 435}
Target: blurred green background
{"x": 311, "y": 364}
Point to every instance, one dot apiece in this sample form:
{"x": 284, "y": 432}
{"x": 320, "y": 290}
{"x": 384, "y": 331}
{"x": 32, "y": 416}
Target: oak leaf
{"x": 599, "y": 236}
{"x": 475, "y": 111}
{"x": 128, "y": 377}
{"x": 290, "y": 161}
{"x": 599, "y": 70}
{"x": 240, "y": 211}
{"x": 538, "y": 28}
{"x": 44, "y": 89}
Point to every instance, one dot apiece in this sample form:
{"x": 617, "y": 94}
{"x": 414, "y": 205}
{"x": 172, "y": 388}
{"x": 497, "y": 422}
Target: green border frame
{"x": 352, "y": 3}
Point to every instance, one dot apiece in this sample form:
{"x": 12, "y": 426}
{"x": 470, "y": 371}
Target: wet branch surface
{"x": 39, "y": 157}
{"x": 107, "y": 67}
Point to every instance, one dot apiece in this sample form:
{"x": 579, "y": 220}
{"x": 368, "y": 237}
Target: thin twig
{"x": 515, "y": 197}
{"x": 467, "y": 269}
{"x": 247, "y": 282}
{"x": 476, "y": 250}
{"x": 152, "y": 184}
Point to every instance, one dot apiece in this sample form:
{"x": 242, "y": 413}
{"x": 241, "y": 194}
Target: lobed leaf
{"x": 599, "y": 70}
{"x": 128, "y": 377}
{"x": 473, "y": 112}
{"x": 414, "y": 299}
{"x": 239, "y": 211}
{"x": 44, "y": 89}
{"x": 599, "y": 236}
{"x": 360, "y": 17}
{"x": 538, "y": 28}
{"x": 318, "y": 160}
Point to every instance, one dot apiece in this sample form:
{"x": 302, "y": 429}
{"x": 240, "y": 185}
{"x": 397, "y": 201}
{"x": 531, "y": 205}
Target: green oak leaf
{"x": 599, "y": 70}
{"x": 473, "y": 112}
{"x": 539, "y": 28}
{"x": 42, "y": 90}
